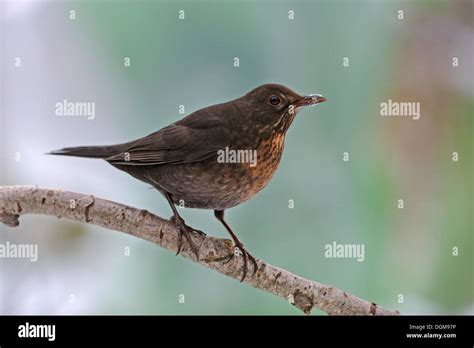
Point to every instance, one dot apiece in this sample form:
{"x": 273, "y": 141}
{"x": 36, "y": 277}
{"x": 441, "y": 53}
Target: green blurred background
{"x": 190, "y": 62}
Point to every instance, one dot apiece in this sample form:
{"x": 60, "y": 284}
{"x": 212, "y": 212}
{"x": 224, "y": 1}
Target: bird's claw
{"x": 185, "y": 230}
{"x": 240, "y": 250}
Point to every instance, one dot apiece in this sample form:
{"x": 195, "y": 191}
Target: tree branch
{"x": 302, "y": 293}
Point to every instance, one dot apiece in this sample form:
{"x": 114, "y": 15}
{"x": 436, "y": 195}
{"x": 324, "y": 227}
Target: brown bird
{"x": 215, "y": 158}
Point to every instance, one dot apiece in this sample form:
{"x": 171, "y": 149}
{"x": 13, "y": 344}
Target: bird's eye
{"x": 274, "y": 100}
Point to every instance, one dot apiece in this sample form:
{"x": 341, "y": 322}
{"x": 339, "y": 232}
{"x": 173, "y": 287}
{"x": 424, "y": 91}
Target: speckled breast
{"x": 269, "y": 154}
{"x": 214, "y": 185}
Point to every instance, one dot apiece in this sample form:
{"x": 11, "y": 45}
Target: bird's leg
{"x": 182, "y": 228}
{"x": 219, "y": 214}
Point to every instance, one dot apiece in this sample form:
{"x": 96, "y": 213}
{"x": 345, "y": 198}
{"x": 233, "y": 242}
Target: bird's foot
{"x": 240, "y": 250}
{"x": 186, "y": 230}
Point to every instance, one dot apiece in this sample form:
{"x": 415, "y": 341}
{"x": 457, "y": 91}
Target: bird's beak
{"x": 311, "y": 99}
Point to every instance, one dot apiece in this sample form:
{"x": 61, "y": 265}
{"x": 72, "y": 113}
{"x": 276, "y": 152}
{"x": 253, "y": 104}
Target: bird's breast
{"x": 259, "y": 174}
{"x": 222, "y": 183}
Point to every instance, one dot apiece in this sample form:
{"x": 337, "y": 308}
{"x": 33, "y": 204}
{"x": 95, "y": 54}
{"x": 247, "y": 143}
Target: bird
{"x": 215, "y": 158}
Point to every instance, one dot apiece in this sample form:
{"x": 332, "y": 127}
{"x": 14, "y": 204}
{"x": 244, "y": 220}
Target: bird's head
{"x": 275, "y": 106}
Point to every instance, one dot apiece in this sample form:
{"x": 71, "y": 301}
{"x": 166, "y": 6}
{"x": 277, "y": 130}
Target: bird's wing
{"x": 189, "y": 140}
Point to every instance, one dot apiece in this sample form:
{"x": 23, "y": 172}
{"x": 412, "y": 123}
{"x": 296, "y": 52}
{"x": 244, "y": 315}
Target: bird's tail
{"x": 90, "y": 151}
